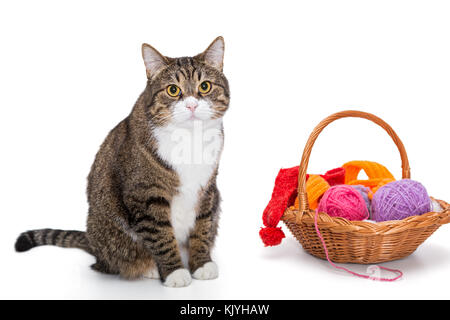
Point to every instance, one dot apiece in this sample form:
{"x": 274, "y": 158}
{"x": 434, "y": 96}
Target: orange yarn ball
{"x": 315, "y": 188}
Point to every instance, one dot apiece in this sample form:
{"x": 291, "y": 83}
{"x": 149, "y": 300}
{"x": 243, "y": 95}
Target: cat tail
{"x": 55, "y": 237}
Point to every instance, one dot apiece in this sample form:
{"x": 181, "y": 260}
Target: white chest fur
{"x": 193, "y": 153}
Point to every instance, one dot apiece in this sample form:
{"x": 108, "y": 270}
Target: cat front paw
{"x": 152, "y": 273}
{"x": 178, "y": 278}
{"x": 208, "y": 271}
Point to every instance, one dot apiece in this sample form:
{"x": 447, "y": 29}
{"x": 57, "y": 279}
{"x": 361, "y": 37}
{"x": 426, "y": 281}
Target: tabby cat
{"x": 153, "y": 199}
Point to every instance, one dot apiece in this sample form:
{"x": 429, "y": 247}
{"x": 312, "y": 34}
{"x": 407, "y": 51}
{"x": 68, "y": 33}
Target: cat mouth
{"x": 193, "y": 117}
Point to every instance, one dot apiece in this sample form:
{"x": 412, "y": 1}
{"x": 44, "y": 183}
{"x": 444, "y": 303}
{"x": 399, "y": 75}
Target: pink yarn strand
{"x": 398, "y": 272}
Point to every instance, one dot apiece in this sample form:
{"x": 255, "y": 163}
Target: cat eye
{"x": 173, "y": 90}
{"x": 204, "y": 87}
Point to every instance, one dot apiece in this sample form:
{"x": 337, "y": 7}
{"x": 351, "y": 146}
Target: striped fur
{"x": 55, "y": 237}
{"x": 131, "y": 187}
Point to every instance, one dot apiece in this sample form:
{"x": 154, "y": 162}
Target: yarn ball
{"x": 343, "y": 201}
{"x": 400, "y": 199}
{"x": 315, "y": 188}
{"x": 379, "y": 183}
{"x": 364, "y": 192}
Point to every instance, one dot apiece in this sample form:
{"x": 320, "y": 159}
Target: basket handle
{"x": 303, "y": 197}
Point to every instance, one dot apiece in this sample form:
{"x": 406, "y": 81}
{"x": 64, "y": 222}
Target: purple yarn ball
{"x": 400, "y": 199}
{"x": 364, "y": 191}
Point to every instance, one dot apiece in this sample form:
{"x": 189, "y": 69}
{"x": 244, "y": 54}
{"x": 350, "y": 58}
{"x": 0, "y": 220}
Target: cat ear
{"x": 153, "y": 60}
{"x": 214, "y": 54}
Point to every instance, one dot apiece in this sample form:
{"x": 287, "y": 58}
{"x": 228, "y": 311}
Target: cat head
{"x": 187, "y": 89}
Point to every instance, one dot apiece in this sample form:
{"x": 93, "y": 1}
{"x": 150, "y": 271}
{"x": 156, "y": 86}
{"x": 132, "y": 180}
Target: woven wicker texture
{"x": 359, "y": 241}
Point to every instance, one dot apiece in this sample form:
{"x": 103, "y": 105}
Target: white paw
{"x": 178, "y": 278}
{"x": 207, "y": 272}
{"x": 152, "y": 273}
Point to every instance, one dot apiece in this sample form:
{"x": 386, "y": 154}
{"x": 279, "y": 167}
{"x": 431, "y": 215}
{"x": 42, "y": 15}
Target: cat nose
{"x": 192, "y": 105}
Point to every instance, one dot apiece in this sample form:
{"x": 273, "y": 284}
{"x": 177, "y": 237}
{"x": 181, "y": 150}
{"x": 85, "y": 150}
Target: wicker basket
{"x": 359, "y": 241}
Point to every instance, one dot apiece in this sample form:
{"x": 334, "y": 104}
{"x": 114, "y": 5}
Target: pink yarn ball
{"x": 343, "y": 201}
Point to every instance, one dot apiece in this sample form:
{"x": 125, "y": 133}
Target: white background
{"x": 70, "y": 71}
